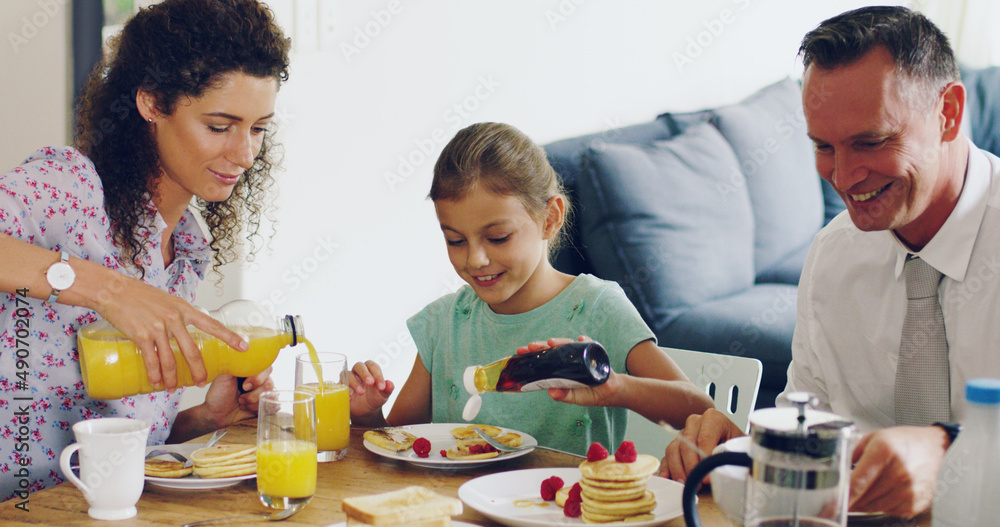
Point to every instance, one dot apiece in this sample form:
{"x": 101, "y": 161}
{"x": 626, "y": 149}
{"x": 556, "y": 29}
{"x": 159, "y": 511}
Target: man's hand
{"x": 896, "y": 470}
{"x": 708, "y": 431}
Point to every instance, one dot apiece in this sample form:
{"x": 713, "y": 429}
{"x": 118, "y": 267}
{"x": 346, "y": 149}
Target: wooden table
{"x": 360, "y": 472}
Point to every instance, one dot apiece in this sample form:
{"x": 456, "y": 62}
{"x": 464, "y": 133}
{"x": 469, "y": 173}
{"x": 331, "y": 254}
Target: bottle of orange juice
{"x": 113, "y": 368}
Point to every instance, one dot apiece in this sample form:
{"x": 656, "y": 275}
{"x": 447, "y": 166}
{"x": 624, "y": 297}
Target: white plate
{"x": 439, "y": 434}
{"x": 190, "y": 481}
{"x": 495, "y": 496}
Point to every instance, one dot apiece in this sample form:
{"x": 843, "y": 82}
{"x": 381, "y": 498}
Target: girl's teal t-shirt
{"x": 460, "y": 330}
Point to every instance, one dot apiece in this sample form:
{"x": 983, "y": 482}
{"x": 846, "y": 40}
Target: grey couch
{"x": 705, "y": 218}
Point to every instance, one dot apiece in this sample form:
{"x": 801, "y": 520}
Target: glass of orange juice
{"x": 324, "y": 375}
{"x": 286, "y": 449}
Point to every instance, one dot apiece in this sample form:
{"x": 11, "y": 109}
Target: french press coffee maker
{"x": 799, "y": 464}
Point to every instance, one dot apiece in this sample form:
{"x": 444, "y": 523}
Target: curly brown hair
{"x": 175, "y": 49}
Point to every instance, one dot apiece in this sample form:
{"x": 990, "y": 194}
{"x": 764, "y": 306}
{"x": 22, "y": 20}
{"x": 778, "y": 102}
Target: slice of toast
{"x": 395, "y": 439}
{"x": 408, "y": 506}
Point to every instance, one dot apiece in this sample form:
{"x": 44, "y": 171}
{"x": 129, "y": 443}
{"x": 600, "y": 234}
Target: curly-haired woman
{"x": 173, "y": 124}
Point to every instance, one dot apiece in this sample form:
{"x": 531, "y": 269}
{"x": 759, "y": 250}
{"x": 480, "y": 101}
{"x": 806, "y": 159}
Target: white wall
{"x": 36, "y": 88}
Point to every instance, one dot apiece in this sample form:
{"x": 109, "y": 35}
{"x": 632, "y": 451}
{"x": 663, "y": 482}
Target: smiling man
{"x": 884, "y": 102}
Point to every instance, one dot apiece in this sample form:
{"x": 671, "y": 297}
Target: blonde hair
{"x": 503, "y": 160}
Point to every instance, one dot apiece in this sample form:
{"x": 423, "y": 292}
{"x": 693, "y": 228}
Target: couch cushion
{"x": 565, "y": 156}
{"x": 670, "y": 222}
{"x": 768, "y": 133}
{"x": 982, "y": 108}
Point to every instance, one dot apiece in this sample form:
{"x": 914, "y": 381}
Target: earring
{"x": 149, "y": 120}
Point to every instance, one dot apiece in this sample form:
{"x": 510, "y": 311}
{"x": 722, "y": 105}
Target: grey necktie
{"x": 923, "y": 385}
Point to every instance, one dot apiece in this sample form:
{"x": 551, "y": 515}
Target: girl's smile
{"x": 498, "y": 249}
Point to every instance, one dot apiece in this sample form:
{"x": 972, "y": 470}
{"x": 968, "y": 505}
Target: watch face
{"x": 60, "y": 275}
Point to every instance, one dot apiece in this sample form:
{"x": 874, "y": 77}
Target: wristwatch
{"x": 951, "y": 428}
{"x": 60, "y": 276}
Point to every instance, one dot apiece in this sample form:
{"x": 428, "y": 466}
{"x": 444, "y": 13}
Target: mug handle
{"x": 693, "y": 483}
{"x": 67, "y": 453}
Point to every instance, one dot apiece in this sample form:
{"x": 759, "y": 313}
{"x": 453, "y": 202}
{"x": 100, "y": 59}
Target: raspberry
{"x": 422, "y": 447}
{"x": 574, "y": 492}
{"x": 596, "y": 452}
{"x": 444, "y": 453}
{"x": 477, "y": 449}
{"x": 626, "y": 452}
{"x": 572, "y": 508}
{"x": 550, "y": 486}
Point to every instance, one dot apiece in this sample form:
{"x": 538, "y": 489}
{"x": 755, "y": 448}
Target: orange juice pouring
{"x": 286, "y": 449}
{"x": 325, "y": 376}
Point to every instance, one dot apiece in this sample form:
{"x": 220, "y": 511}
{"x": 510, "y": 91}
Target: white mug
{"x": 112, "y": 455}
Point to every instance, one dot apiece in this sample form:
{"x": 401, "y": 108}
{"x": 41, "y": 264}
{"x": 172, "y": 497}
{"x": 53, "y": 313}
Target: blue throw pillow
{"x": 768, "y": 133}
{"x": 982, "y": 106}
{"x": 670, "y": 221}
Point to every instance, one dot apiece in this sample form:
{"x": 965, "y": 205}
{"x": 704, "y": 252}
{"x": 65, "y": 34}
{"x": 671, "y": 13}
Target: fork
{"x": 158, "y": 452}
{"x": 180, "y": 457}
{"x": 504, "y": 448}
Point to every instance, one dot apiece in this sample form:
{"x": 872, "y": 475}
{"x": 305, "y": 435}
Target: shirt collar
{"x": 950, "y": 250}
{"x": 190, "y": 242}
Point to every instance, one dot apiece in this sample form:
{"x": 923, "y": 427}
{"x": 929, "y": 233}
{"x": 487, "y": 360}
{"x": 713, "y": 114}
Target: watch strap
{"x": 54, "y": 295}
{"x": 951, "y": 428}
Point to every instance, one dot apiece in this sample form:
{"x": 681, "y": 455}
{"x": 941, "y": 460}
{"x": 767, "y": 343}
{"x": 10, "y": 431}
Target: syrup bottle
{"x": 112, "y": 366}
{"x": 573, "y": 365}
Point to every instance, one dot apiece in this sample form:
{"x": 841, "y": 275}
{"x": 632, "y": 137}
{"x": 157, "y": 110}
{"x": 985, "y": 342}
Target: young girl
{"x": 501, "y": 209}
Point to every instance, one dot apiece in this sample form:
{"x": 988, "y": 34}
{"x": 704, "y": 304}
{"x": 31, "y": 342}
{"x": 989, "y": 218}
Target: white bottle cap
{"x": 472, "y": 407}
{"x": 469, "y": 379}
{"x": 475, "y": 402}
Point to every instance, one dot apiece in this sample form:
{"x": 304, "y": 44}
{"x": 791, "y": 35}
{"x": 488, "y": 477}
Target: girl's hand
{"x": 591, "y": 396}
{"x": 369, "y": 389}
{"x": 553, "y": 342}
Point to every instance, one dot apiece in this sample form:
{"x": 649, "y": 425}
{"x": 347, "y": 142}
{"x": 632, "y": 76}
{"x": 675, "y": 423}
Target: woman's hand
{"x": 223, "y": 406}
{"x": 152, "y": 319}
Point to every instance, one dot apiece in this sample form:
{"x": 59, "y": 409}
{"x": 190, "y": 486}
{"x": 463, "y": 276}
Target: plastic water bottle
{"x": 966, "y": 490}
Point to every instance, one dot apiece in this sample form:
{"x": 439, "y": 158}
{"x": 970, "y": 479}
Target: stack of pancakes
{"x": 221, "y": 461}
{"x": 614, "y": 492}
{"x": 225, "y": 461}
